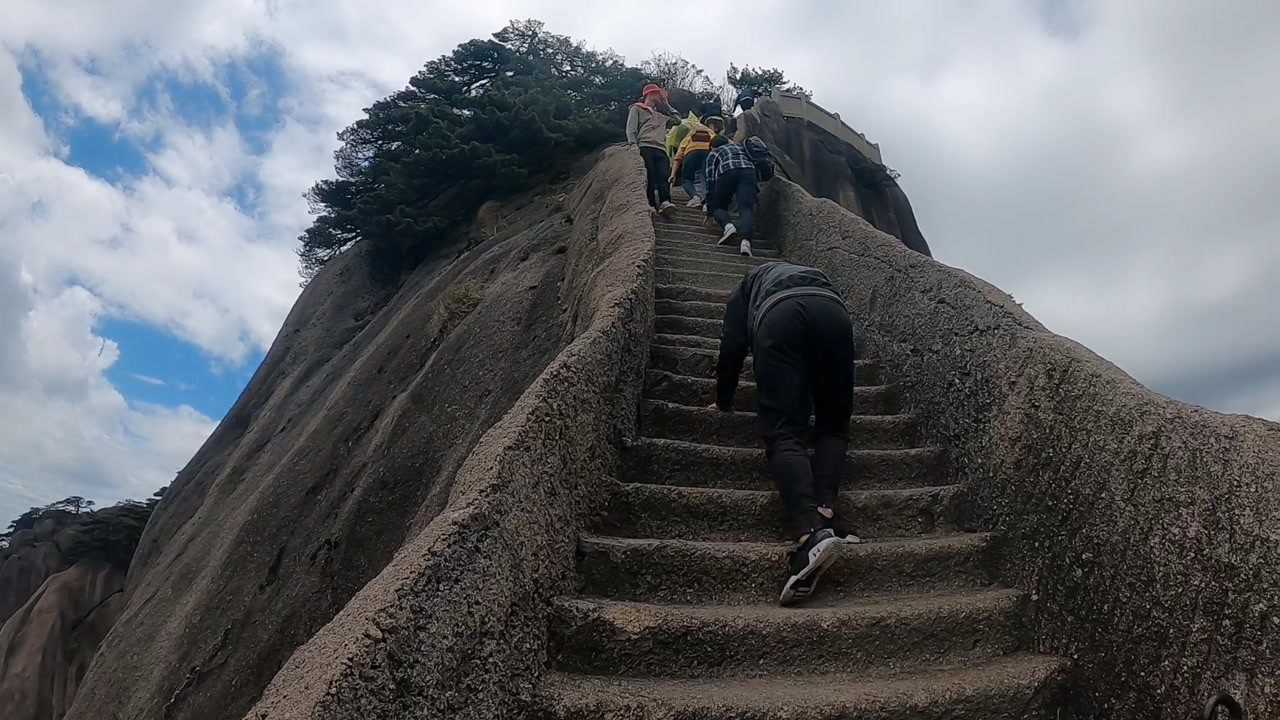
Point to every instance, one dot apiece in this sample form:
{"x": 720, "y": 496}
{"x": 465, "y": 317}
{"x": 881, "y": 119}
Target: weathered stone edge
{"x": 456, "y": 624}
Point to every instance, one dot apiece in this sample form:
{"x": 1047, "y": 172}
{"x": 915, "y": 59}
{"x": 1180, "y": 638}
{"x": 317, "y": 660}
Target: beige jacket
{"x": 647, "y": 127}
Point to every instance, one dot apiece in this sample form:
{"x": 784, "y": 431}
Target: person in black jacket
{"x": 799, "y": 332}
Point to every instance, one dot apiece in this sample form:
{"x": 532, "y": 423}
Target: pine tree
{"x": 481, "y": 122}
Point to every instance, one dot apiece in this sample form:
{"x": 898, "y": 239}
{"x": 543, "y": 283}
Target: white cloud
{"x": 64, "y": 430}
{"x": 148, "y": 379}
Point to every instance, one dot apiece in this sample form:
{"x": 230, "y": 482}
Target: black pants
{"x": 740, "y": 185}
{"x": 657, "y": 168}
{"x": 804, "y": 363}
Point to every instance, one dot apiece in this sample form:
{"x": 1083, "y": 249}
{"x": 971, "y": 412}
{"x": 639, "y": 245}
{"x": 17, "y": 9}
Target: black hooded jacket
{"x": 759, "y": 292}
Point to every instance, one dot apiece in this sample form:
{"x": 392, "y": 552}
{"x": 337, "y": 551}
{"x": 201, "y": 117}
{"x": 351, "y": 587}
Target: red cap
{"x": 650, "y": 89}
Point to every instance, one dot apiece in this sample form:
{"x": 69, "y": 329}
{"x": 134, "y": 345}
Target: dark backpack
{"x": 760, "y": 157}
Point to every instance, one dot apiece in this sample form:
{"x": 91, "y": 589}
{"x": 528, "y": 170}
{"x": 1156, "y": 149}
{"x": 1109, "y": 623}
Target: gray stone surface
{"x": 829, "y": 168}
{"x": 1146, "y": 530}
{"x": 455, "y": 625}
{"x": 48, "y": 643}
{"x": 345, "y": 445}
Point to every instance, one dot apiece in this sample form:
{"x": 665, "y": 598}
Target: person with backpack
{"x": 647, "y": 129}
{"x": 691, "y": 159}
{"x": 733, "y": 172}
{"x": 798, "y": 330}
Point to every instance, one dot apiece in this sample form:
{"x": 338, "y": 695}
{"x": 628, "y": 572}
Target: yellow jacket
{"x": 699, "y": 138}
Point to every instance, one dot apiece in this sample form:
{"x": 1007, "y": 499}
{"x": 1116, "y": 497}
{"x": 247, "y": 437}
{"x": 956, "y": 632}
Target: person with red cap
{"x": 647, "y": 129}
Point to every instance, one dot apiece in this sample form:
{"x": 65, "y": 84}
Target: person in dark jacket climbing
{"x": 647, "y": 129}
{"x": 731, "y": 176}
{"x": 798, "y": 330}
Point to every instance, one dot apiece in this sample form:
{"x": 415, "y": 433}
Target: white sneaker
{"x": 665, "y": 209}
{"x": 694, "y": 202}
{"x": 729, "y": 233}
{"x": 745, "y": 248}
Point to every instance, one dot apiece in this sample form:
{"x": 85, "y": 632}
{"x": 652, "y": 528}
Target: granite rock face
{"x": 346, "y": 444}
{"x": 49, "y": 642}
{"x": 24, "y": 568}
{"x": 829, "y": 168}
{"x": 1146, "y": 530}
{"x": 456, "y": 624}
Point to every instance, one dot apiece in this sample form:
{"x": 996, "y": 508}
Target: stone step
{"x": 709, "y": 241}
{"x": 738, "y": 265}
{"x": 692, "y": 215}
{"x": 896, "y": 633}
{"x": 701, "y": 392}
{"x": 683, "y": 230}
{"x": 681, "y": 325}
{"x": 687, "y": 341}
{"x": 697, "y": 278}
{"x": 724, "y": 515}
{"x": 660, "y": 419}
{"x": 763, "y": 254}
{"x": 690, "y": 293}
{"x": 691, "y": 309}
{"x": 719, "y": 262}
{"x": 701, "y": 362}
{"x": 673, "y": 462}
{"x": 1014, "y": 687}
{"x": 741, "y": 573}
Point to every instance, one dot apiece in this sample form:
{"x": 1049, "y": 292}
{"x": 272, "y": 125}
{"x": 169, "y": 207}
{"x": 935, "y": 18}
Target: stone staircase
{"x": 677, "y": 615}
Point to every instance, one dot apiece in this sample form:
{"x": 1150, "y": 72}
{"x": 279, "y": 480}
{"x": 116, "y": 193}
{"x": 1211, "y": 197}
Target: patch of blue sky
{"x": 157, "y": 368}
{"x": 246, "y": 90}
{"x": 95, "y": 147}
{"x": 257, "y": 83}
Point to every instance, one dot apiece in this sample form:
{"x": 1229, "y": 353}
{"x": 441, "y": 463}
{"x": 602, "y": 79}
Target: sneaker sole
{"x": 728, "y": 239}
{"x": 816, "y": 567}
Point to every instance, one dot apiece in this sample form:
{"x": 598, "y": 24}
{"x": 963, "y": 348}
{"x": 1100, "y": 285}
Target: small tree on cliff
{"x": 483, "y": 121}
{"x": 674, "y": 72}
{"x": 762, "y": 81}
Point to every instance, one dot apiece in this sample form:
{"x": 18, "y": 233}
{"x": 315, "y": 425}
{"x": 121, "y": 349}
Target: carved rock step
{"x": 680, "y": 325}
{"x": 672, "y": 462}
{"x": 1015, "y": 687}
{"x": 660, "y": 419}
{"x": 687, "y": 341}
{"x": 690, "y": 309}
{"x": 710, "y": 249}
{"x": 690, "y": 293}
{"x": 684, "y": 229}
{"x": 893, "y": 633}
{"x": 701, "y": 392}
{"x": 738, "y": 573}
{"x": 701, "y": 362}
{"x": 734, "y": 264}
{"x": 642, "y": 510}
{"x": 697, "y": 278}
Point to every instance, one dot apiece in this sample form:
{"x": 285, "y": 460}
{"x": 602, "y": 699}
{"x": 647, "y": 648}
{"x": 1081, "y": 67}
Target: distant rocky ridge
{"x": 61, "y": 589}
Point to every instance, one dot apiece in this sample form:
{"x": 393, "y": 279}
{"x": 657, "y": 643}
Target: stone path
{"x": 677, "y": 614}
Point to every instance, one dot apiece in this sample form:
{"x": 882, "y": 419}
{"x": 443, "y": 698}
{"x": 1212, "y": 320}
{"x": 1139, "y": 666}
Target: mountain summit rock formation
{"x": 487, "y": 491}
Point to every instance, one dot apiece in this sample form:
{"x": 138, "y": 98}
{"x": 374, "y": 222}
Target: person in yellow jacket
{"x": 691, "y": 158}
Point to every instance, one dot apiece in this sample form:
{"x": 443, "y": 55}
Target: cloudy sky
{"x": 1113, "y": 165}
